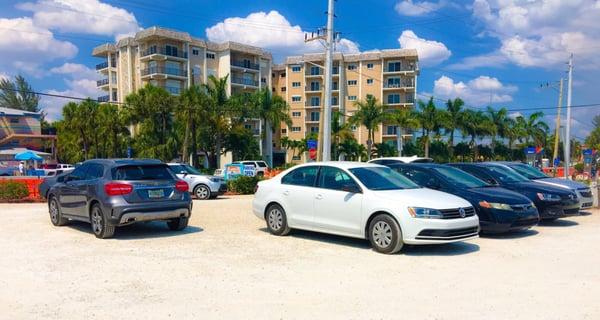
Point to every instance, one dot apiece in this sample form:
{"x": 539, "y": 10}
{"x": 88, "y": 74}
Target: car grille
{"x": 447, "y": 234}
{"x": 569, "y": 197}
{"x": 455, "y": 213}
{"x": 521, "y": 207}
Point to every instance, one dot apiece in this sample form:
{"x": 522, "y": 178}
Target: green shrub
{"x": 243, "y": 184}
{"x": 13, "y": 190}
{"x": 578, "y": 167}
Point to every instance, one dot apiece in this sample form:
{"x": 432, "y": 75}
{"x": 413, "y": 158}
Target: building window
{"x": 296, "y": 84}
{"x": 283, "y": 89}
{"x": 394, "y": 66}
{"x": 315, "y": 71}
{"x": 283, "y": 130}
{"x": 351, "y": 67}
{"x": 352, "y": 82}
{"x": 370, "y": 81}
{"x": 393, "y": 98}
{"x": 14, "y": 120}
{"x": 195, "y": 52}
{"x": 334, "y": 101}
{"x": 334, "y": 86}
{"x": 314, "y": 129}
{"x": 248, "y": 126}
{"x": 315, "y": 86}
{"x": 296, "y": 68}
{"x": 390, "y": 130}
{"x": 296, "y": 129}
{"x": 283, "y": 75}
{"x": 296, "y": 158}
{"x": 315, "y": 101}
{"x": 369, "y": 66}
{"x": 336, "y": 70}
{"x": 263, "y": 80}
{"x": 314, "y": 116}
{"x": 296, "y": 114}
{"x": 353, "y": 128}
{"x": 273, "y": 75}
{"x": 351, "y": 98}
{"x": 210, "y": 55}
{"x": 296, "y": 98}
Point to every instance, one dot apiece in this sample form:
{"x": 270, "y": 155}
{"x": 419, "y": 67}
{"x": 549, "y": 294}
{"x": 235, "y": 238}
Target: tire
{"x": 385, "y": 234}
{"x": 202, "y": 192}
{"x": 277, "y": 220}
{"x": 55, "y": 214}
{"x": 178, "y": 224}
{"x": 100, "y": 226}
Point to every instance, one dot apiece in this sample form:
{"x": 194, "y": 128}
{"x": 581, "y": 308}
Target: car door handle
{"x": 286, "y": 192}
{"x": 319, "y": 197}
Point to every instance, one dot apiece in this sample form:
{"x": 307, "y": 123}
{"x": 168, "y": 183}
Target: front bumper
{"x": 585, "y": 198}
{"x": 561, "y": 209}
{"x": 435, "y": 231}
{"x": 507, "y": 221}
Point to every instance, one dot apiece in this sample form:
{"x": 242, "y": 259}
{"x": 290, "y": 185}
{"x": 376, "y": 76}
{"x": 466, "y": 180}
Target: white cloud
{"x": 542, "y": 33}
{"x": 475, "y": 92}
{"x": 22, "y": 40}
{"x": 76, "y": 70}
{"x": 3, "y": 76}
{"x": 484, "y": 60}
{"x": 82, "y": 16}
{"x": 272, "y": 31}
{"x": 430, "y": 52}
{"x": 415, "y": 8}
{"x": 80, "y": 82}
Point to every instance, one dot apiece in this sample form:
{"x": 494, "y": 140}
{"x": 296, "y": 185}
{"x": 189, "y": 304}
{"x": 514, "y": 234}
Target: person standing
{"x": 21, "y": 168}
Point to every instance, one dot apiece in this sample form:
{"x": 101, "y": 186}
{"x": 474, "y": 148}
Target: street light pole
{"x": 328, "y": 79}
{"x": 568, "y": 129}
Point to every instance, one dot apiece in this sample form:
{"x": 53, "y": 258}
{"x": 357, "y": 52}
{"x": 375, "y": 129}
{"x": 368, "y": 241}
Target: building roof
{"x": 13, "y": 151}
{"x": 354, "y": 57}
{"x": 17, "y": 112}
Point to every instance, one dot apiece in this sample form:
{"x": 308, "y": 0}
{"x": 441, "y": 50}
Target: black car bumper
{"x": 507, "y": 221}
{"x": 560, "y": 209}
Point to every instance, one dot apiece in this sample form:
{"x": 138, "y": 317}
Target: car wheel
{"x": 202, "y": 192}
{"x": 178, "y": 224}
{"x": 55, "y": 214}
{"x": 277, "y": 220}
{"x": 385, "y": 234}
{"x": 100, "y": 225}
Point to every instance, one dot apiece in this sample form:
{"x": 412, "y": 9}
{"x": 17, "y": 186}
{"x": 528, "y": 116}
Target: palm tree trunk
{"x": 194, "y": 148}
{"x": 185, "y": 157}
{"x": 426, "y": 147}
{"x": 474, "y": 149}
{"x": 399, "y": 140}
{"x": 268, "y": 149}
{"x": 451, "y": 145}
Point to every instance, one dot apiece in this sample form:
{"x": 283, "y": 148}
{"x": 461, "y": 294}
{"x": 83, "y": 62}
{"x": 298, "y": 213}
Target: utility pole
{"x": 325, "y": 116}
{"x": 557, "y": 134}
{"x": 568, "y": 130}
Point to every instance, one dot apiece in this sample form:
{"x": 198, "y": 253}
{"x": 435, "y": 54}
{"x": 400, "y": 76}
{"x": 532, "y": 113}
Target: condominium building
{"x": 388, "y": 75}
{"x": 21, "y": 129}
{"x": 175, "y": 60}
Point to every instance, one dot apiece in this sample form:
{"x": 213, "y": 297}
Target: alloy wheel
{"x": 97, "y": 220}
{"x": 54, "y": 211}
{"x": 275, "y": 219}
{"x": 202, "y": 192}
{"x": 382, "y": 234}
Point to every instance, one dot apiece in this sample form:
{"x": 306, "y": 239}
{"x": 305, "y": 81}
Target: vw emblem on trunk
{"x": 462, "y": 212}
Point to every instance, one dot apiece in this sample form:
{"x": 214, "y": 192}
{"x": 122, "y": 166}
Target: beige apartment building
{"x": 175, "y": 60}
{"x": 388, "y": 75}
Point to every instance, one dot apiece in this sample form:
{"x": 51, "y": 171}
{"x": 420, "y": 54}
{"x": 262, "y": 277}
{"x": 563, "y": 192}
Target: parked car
{"x": 260, "y": 166}
{"x": 391, "y": 160}
{"x": 499, "y": 210}
{"x": 362, "y": 200}
{"x": 49, "y": 181}
{"x": 200, "y": 185}
{"x": 584, "y": 193}
{"x": 552, "y": 202}
{"x": 110, "y": 193}
{"x": 8, "y": 171}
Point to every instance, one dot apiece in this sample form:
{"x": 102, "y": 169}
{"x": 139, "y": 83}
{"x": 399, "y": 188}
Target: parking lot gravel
{"x": 226, "y": 266}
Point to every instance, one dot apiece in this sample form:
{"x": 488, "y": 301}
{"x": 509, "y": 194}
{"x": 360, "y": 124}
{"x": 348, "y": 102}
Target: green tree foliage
{"x": 18, "y": 94}
{"x": 272, "y": 110}
{"x": 370, "y": 114}
{"x": 593, "y": 140}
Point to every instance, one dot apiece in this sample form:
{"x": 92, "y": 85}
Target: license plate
{"x": 158, "y": 193}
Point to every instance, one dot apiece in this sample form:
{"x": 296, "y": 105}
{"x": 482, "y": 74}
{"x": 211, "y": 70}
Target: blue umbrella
{"x": 27, "y": 155}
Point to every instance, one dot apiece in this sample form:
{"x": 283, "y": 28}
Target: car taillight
{"x": 117, "y": 189}
{"x": 181, "y": 186}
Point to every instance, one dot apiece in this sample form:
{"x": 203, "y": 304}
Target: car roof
{"x": 478, "y": 164}
{"x": 125, "y": 162}
{"x": 341, "y": 164}
{"x": 419, "y": 165}
{"x": 406, "y": 159}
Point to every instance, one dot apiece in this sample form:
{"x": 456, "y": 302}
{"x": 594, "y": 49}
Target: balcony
{"x": 313, "y": 72}
{"x": 403, "y": 84}
{"x": 309, "y": 89}
{"x": 400, "y": 68}
{"x": 161, "y": 53}
{"x": 245, "y": 64}
{"x": 163, "y": 72}
{"x": 311, "y": 119}
{"x": 104, "y": 65}
{"x": 309, "y": 104}
{"x": 105, "y": 98}
{"x": 102, "y": 83}
{"x": 244, "y": 81}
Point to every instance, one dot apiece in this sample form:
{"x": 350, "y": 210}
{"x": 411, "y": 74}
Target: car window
{"x": 479, "y": 174}
{"x": 417, "y": 176}
{"x": 262, "y": 164}
{"x": 334, "y": 178}
{"x": 94, "y": 171}
{"x": 382, "y": 178}
{"x": 304, "y": 176}
{"x": 177, "y": 169}
{"x": 506, "y": 174}
{"x": 528, "y": 171}
{"x": 142, "y": 172}
{"x": 460, "y": 178}
{"x": 78, "y": 173}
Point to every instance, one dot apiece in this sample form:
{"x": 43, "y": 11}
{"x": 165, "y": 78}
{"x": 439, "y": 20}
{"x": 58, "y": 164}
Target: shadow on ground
{"x": 142, "y": 230}
{"x": 450, "y": 249}
{"x": 510, "y": 235}
{"x": 558, "y": 223}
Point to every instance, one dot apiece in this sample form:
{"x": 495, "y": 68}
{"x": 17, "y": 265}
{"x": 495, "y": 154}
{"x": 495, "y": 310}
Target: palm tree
{"x": 453, "y": 117}
{"x": 402, "y": 119}
{"x": 339, "y": 133}
{"x": 370, "y": 113}
{"x": 193, "y": 103}
{"x": 112, "y": 128}
{"x": 272, "y": 110}
{"x": 513, "y": 131}
{"x": 353, "y": 150}
{"x": 216, "y": 116}
{"x": 498, "y": 117}
{"x": 431, "y": 121}
{"x": 476, "y": 124}
{"x": 535, "y": 128}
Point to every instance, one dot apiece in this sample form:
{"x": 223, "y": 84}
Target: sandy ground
{"x": 226, "y": 266}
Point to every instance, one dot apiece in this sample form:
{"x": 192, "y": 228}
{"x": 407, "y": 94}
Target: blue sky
{"x": 481, "y": 50}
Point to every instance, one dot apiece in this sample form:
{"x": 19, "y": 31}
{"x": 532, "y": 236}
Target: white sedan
{"x": 362, "y": 200}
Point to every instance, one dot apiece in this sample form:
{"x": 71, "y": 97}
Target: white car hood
{"x": 423, "y": 197}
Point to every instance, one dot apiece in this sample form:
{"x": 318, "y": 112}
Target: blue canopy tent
{"x": 27, "y": 156}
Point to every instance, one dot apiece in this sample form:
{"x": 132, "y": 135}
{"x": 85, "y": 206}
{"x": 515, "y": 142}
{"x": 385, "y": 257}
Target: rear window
{"x": 262, "y": 164}
{"x": 142, "y": 172}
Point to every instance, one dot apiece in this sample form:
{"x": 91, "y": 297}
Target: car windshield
{"x": 142, "y": 172}
{"x": 380, "y": 178}
{"x": 460, "y": 178}
{"x": 528, "y": 171}
{"x": 505, "y": 174}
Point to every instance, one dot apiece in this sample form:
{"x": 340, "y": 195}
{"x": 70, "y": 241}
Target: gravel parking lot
{"x": 225, "y": 265}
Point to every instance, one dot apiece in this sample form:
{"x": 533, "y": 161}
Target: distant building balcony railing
{"x": 314, "y": 72}
{"x": 102, "y": 82}
{"x": 164, "y": 70}
{"x": 104, "y": 65}
{"x": 244, "y": 81}
{"x": 312, "y": 88}
{"x": 245, "y": 64}
{"x": 406, "y": 83}
{"x": 105, "y": 98}
{"x": 172, "y": 52}
{"x": 400, "y": 68}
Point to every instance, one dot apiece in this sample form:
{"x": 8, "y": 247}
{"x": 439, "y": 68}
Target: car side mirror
{"x": 352, "y": 188}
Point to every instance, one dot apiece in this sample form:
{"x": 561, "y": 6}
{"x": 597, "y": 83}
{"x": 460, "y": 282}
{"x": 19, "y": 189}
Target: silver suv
{"x": 110, "y": 193}
{"x": 200, "y": 185}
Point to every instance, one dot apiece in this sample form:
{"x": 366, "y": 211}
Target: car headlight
{"x": 425, "y": 213}
{"x": 548, "y": 197}
{"x": 495, "y": 205}
{"x": 215, "y": 179}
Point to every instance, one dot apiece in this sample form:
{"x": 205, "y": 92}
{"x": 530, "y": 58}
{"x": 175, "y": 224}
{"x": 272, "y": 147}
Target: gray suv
{"x": 110, "y": 193}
